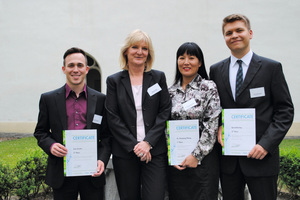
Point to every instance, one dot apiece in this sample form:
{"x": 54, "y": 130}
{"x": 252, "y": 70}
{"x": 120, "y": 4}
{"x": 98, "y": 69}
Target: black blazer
{"x": 121, "y": 112}
{"x": 52, "y": 120}
{"x": 274, "y": 111}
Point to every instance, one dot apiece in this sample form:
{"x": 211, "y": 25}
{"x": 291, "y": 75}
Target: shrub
{"x": 6, "y": 182}
{"x": 290, "y": 170}
{"x": 30, "y": 175}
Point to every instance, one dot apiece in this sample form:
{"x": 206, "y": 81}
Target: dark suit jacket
{"x": 52, "y": 120}
{"x": 121, "y": 112}
{"x": 274, "y": 111}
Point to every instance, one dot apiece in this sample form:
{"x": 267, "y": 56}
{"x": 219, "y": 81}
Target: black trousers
{"x": 201, "y": 183}
{"x": 82, "y": 185}
{"x": 260, "y": 188}
{"x": 137, "y": 180}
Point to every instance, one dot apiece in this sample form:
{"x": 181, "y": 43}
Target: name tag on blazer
{"x": 154, "y": 89}
{"x": 257, "y": 92}
{"x": 97, "y": 119}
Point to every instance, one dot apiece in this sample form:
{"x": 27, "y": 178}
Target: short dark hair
{"x": 74, "y": 50}
{"x": 236, "y": 17}
{"x": 192, "y": 49}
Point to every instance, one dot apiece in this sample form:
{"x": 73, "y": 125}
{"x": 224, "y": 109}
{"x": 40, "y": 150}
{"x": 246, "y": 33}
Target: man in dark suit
{"x": 74, "y": 106}
{"x": 263, "y": 88}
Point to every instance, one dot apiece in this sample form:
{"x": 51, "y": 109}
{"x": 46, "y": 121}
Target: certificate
{"x": 182, "y": 136}
{"x": 81, "y": 159}
{"x": 239, "y": 131}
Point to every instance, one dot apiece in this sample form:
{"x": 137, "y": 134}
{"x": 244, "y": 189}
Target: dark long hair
{"x": 192, "y": 49}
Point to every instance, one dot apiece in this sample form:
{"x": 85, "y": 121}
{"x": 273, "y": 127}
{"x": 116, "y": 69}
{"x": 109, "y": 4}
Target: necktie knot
{"x": 239, "y": 78}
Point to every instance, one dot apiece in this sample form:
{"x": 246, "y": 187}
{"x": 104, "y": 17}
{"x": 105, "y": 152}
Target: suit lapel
{"x": 254, "y": 66}
{"x": 91, "y": 107}
{"x": 146, "y": 83}
{"x": 127, "y": 85}
{"x": 60, "y": 99}
{"x": 225, "y": 76}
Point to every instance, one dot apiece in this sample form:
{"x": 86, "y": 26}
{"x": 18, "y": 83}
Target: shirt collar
{"x": 193, "y": 84}
{"x": 69, "y": 90}
{"x": 246, "y": 59}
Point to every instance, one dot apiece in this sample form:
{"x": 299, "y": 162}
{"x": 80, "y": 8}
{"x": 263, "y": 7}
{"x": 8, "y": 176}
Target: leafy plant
{"x": 30, "y": 175}
{"x": 289, "y": 174}
{"x": 6, "y": 182}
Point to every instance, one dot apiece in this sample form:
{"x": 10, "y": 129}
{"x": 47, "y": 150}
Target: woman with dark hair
{"x": 197, "y": 177}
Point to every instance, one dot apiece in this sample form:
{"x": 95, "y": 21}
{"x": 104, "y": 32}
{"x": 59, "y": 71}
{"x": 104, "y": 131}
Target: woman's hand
{"x": 142, "y": 149}
{"x": 190, "y": 161}
{"x": 179, "y": 167}
{"x": 220, "y": 140}
{"x": 147, "y": 157}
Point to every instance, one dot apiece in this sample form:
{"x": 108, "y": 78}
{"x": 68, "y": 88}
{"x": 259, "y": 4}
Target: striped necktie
{"x": 239, "y": 78}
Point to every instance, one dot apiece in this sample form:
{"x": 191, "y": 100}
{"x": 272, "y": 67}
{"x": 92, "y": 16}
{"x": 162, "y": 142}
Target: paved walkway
{"x": 15, "y": 135}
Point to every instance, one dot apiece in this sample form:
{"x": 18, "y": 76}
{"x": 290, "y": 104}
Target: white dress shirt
{"x": 234, "y": 66}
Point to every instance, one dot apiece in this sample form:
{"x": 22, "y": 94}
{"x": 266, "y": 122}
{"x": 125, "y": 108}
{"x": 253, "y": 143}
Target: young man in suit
{"x": 73, "y": 107}
{"x": 264, "y": 88}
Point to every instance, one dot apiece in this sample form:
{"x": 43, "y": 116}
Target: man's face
{"x": 75, "y": 70}
{"x": 237, "y": 37}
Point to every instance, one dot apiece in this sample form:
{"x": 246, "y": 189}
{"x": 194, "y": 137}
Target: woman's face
{"x": 188, "y": 65}
{"x": 137, "y": 53}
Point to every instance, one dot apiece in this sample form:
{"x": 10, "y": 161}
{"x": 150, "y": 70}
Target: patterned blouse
{"x": 207, "y": 111}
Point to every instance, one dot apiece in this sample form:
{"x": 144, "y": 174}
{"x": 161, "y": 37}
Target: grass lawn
{"x": 14, "y": 150}
{"x": 290, "y": 145}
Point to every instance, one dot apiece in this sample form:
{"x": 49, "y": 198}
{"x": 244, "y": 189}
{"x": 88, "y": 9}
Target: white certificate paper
{"x": 239, "y": 131}
{"x": 183, "y": 136}
{"x": 81, "y": 159}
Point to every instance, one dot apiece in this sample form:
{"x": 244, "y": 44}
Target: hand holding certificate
{"x": 183, "y": 136}
{"x": 239, "y": 135}
{"x": 81, "y": 159}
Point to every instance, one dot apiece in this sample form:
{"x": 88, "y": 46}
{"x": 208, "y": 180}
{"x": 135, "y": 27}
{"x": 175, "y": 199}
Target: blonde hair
{"x": 134, "y": 37}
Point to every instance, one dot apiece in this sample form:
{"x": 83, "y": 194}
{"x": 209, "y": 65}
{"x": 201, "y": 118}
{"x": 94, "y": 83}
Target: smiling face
{"x": 188, "y": 66}
{"x": 237, "y": 37}
{"x": 137, "y": 54}
{"x": 75, "y": 69}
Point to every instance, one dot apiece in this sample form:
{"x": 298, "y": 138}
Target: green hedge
{"x": 26, "y": 180}
{"x": 6, "y": 182}
{"x": 289, "y": 175}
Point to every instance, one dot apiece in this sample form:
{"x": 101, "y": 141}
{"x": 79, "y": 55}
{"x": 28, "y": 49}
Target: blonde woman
{"x": 138, "y": 106}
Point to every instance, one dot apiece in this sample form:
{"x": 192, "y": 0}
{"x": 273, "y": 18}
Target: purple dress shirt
{"x": 76, "y": 109}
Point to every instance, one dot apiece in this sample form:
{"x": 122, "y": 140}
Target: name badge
{"x": 257, "y": 92}
{"x": 154, "y": 89}
{"x": 189, "y": 104}
{"x": 97, "y": 119}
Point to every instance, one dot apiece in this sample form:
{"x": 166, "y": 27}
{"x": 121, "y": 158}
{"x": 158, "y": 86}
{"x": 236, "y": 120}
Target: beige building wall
{"x": 35, "y": 34}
